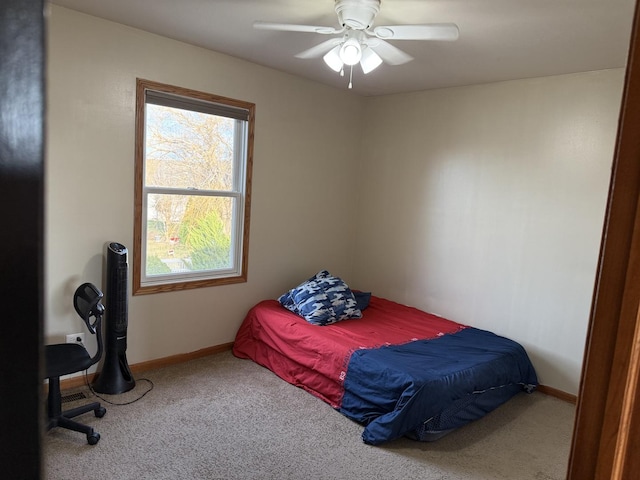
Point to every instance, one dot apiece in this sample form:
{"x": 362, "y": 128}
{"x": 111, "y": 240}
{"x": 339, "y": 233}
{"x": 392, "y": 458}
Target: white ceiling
{"x": 499, "y": 39}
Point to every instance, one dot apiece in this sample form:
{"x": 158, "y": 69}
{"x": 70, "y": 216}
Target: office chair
{"x": 65, "y": 358}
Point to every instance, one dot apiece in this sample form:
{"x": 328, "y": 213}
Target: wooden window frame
{"x": 197, "y": 281}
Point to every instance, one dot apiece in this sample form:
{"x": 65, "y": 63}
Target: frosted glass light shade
{"x": 351, "y": 51}
{"x": 332, "y": 58}
{"x": 370, "y": 60}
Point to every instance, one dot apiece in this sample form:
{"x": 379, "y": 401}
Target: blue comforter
{"x": 394, "y": 390}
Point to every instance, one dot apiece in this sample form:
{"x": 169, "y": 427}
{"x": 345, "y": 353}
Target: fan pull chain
{"x": 351, "y": 77}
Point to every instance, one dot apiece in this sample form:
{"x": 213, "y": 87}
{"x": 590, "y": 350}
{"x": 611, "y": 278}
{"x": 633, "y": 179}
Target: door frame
{"x": 607, "y": 422}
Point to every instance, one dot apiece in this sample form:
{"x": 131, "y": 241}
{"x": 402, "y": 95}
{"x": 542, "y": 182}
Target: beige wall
{"x": 303, "y": 200}
{"x": 485, "y": 204}
{"x": 482, "y": 203}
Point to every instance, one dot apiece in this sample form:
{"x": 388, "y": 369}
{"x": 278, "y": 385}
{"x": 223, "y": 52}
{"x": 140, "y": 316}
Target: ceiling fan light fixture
{"x": 370, "y": 60}
{"x": 351, "y": 51}
{"x": 359, "y": 41}
{"x": 333, "y": 60}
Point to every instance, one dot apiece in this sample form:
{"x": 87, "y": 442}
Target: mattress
{"x": 398, "y": 371}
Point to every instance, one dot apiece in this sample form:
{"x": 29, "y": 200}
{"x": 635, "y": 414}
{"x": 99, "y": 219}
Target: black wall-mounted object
{"x": 115, "y": 376}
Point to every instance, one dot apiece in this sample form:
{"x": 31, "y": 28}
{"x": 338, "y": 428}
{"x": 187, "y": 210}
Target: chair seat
{"x": 64, "y": 358}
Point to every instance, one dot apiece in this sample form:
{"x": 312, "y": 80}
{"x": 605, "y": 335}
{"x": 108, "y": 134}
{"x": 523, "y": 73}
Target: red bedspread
{"x": 315, "y": 358}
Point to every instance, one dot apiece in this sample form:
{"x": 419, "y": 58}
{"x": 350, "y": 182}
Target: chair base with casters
{"x": 57, "y": 357}
{"x": 65, "y": 358}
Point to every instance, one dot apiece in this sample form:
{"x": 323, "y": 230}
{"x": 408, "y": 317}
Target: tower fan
{"x": 115, "y": 376}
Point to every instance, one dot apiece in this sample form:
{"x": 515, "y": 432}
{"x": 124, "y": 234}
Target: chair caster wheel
{"x": 93, "y": 437}
{"x": 99, "y": 412}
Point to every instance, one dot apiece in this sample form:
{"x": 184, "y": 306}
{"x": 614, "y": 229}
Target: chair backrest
{"x": 86, "y": 302}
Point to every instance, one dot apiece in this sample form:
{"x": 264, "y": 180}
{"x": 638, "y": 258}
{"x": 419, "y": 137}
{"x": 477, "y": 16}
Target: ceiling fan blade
{"x": 389, "y": 53}
{"x": 433, "y": 31}
{"x": 320, "y": 49}
{"x": 290, "y": 27}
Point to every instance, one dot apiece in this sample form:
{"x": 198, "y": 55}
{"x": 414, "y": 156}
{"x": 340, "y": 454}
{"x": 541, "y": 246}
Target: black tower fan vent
{"x": 115, "y": 376}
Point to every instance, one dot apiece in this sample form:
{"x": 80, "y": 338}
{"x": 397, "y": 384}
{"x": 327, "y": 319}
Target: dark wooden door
{"x": 22, "y": 51}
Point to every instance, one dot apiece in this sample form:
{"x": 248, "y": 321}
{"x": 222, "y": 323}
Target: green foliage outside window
{"x": 207, "y": 241}
{"x": 155, "y": 266}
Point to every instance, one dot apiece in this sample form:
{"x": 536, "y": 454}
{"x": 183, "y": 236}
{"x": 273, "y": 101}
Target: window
{"x": 192, "y": 188}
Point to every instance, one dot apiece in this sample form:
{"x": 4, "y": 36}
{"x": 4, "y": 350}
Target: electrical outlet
{"x": 76, "y": 338}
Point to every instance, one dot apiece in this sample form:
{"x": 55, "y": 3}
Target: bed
{"x": 395, "y": 369}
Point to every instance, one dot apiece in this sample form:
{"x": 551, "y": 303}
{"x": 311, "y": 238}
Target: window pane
{"x": 186, "y": 149}
{"x": 188, "y": 233}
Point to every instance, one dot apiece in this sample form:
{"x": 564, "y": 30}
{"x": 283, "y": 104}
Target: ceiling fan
{"x": 360, "y": 42}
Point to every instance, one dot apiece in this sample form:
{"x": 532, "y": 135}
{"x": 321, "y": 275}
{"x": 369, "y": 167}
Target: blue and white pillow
{"x": 322, "y": 300}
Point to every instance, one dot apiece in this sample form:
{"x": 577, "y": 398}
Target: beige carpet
{"x": 224, "y": 418}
